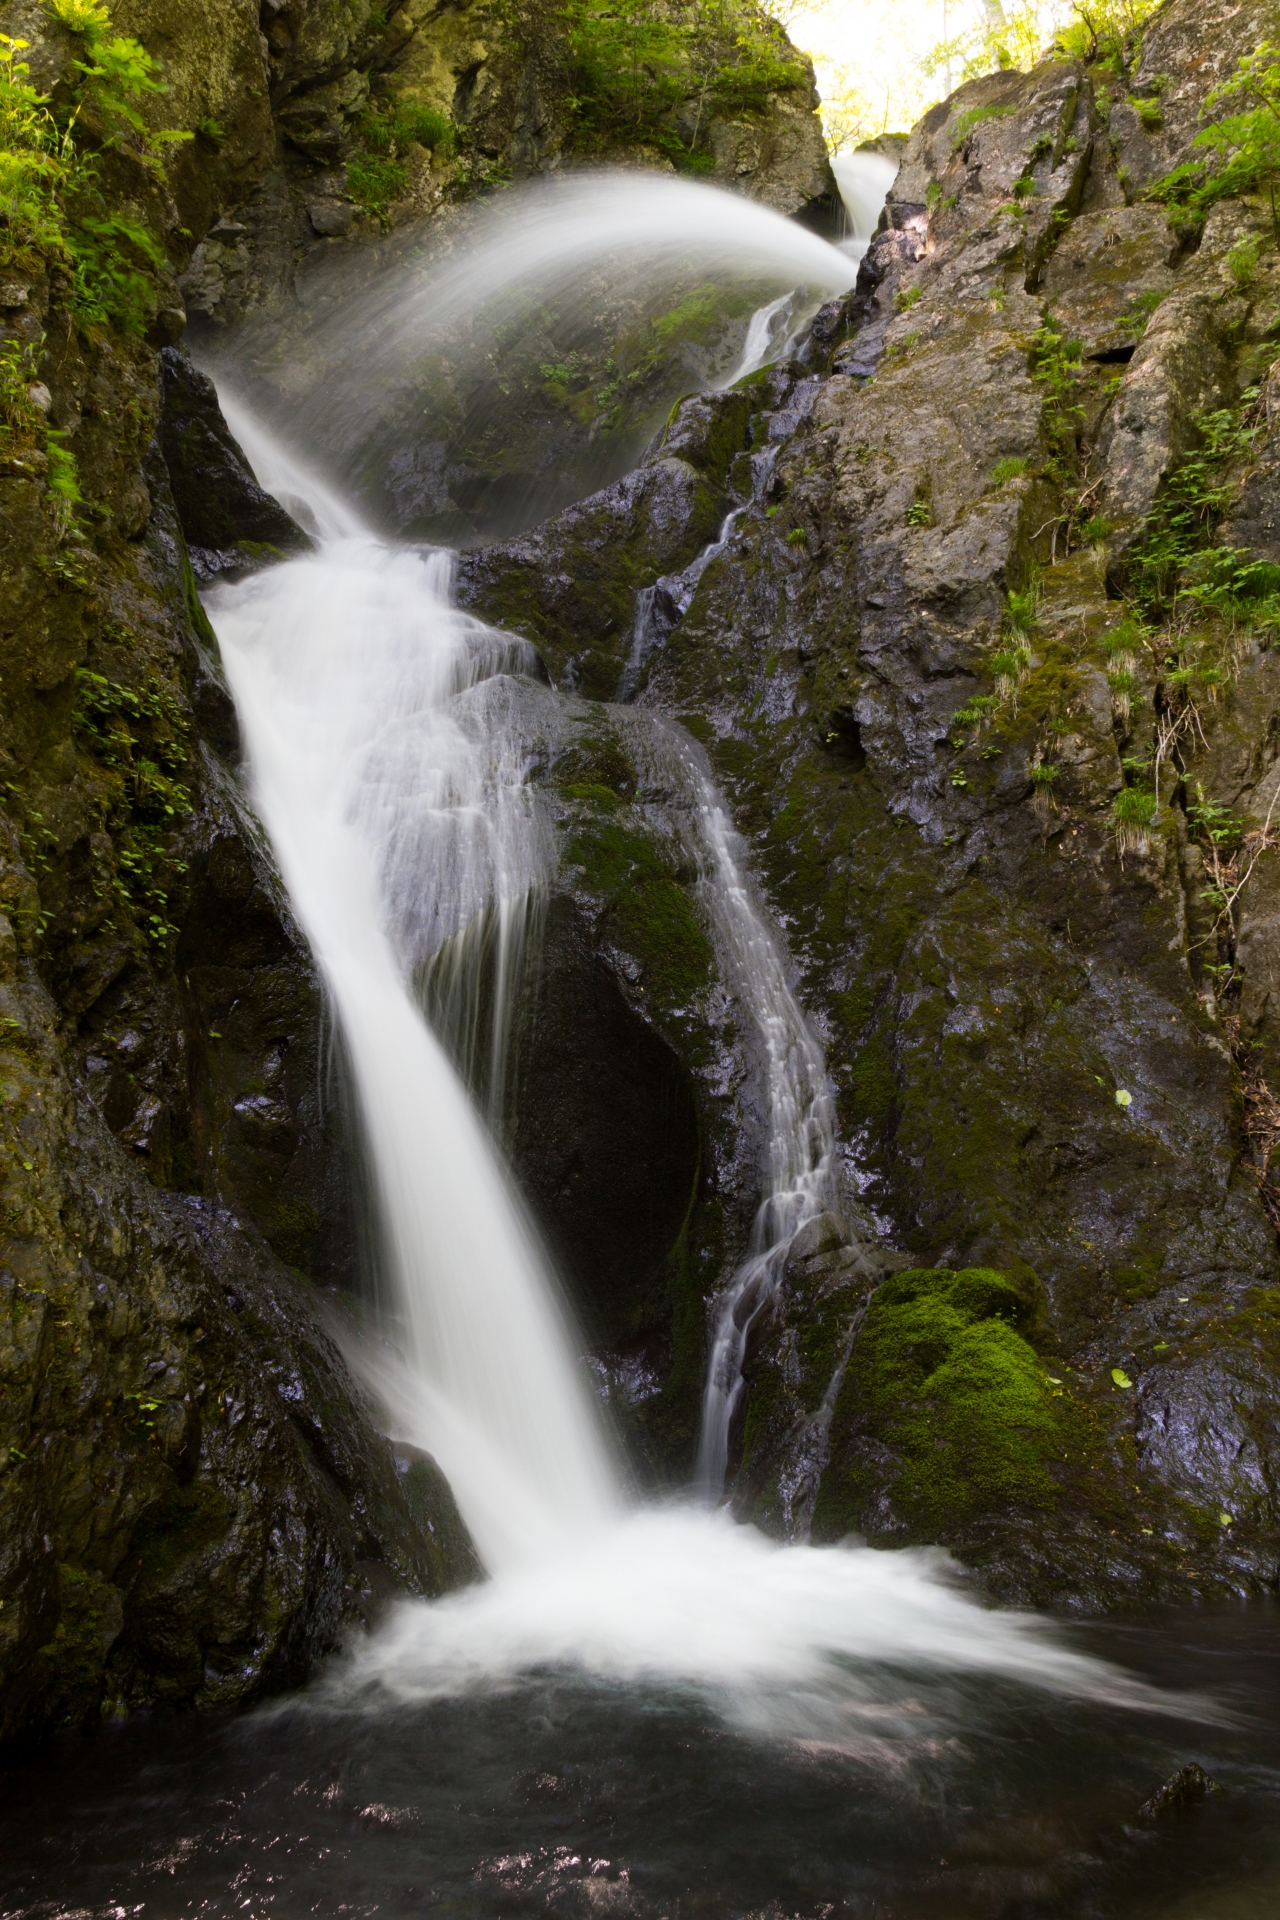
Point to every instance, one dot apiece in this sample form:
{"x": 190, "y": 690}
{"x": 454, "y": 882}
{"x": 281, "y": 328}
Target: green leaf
{"x": 1120, "y": 1377}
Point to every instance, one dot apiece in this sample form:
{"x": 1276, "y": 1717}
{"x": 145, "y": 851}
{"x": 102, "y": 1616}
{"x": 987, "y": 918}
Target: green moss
{"x": 649, "y": 912}
{"x": 590, "y": 791}
{"x": 293, "y": 1227}
{"x": 944, "y": 1377}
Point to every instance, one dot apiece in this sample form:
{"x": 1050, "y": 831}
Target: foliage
{"x": 377, "y": 175}
{"x": 1242, "y": 261}
{"x": 376, "y": 184}
{"x": 50, "y": 202}
{"x": 33, "y": 162}
{"x": 975, "y": 117}
{"x": 1015, "y": 37}
{"x": 633, "y": 62}
{"x": 21, "y": 422}
{"x": 906, "y": 298}
{"x": 110, "y": 256}
{"x": 1237, "y": 154}
{"x": 139, "y": 734}
{"x": 405, "y": 123}
{"x": 1012, "y": 467}
{"x": 1106, "y": 33}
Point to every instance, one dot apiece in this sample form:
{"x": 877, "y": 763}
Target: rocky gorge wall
{"x": 934, "y": 668}
{"x": 1042, "y": 1327}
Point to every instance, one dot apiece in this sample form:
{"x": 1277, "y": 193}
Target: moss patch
{"x": 649, "y": 913}
{"x": 943, "y": 1378}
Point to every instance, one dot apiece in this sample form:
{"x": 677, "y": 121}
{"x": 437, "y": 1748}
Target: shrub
{"x": 1242, "y": 261}
{"x": 1239, "y": 153}
{"x": 376, "y": 184}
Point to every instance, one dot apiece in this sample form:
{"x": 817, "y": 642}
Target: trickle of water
{"x": 797, "y": 1096}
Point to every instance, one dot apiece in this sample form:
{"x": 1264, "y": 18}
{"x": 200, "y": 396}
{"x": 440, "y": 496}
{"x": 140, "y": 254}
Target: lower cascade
{"x": 385, "y": 763}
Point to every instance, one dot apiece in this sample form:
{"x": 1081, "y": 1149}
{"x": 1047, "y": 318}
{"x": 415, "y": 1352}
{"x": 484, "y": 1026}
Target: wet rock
{"x": 1180, "y": 1792}
{"x": 229, "y": 522}
{"x": 331, "y": 218}
{"x": 570, "y": 586}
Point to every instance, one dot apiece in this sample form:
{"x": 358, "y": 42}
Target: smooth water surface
{"x": 560, "y": 1794}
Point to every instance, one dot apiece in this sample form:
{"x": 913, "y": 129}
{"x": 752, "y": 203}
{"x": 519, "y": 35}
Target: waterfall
{"x": 864, "y": 180}
{"x": 797, "y": 1096}
{"x": 388, "y": 770}
{"x": 387, "y": 738}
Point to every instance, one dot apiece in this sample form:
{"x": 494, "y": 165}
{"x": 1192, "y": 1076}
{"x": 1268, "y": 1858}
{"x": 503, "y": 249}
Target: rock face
{"x": 911, "y": 668}
{"x": 229, "y": 523}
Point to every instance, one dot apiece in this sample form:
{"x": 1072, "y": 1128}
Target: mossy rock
{"x": 947, "y": 1411}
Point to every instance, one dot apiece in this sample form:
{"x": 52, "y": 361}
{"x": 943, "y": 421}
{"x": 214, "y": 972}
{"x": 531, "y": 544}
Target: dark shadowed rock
{"x": 229, "y": 522}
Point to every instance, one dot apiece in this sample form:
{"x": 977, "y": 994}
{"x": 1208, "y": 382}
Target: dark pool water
{"x": 569, "y": 1797}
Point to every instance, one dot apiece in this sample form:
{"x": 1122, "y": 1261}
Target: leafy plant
{"x": 110, "y": 257}
{"x": 920, "y": 514}
{"x": 140, "y": 735}
{"x": 1106, "y": 33}
{"x": 906, "y": 298}
{"x": 1133, "y": 812}
{"x": 1141, "y": 308}
{"x": 20, "y": 418}
{"x": 404, "y": 123}
{"x": 1240, "y": 152}
{"x": 974, "y": 117}
{"x": 1012, "y": 467}
{"x": 376, "y": 184}
{"x": 1242, "y": 261}
{"x": 1148, "y": 112}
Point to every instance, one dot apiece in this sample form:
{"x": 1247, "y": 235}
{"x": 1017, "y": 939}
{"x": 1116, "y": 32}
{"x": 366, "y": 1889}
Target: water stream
{"x": 386, "y": 760}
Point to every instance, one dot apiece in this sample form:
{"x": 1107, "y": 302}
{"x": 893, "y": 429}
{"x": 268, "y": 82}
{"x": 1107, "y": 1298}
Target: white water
{"x": 864, "y": 180}
{"x": 553, "y": 235}
{"x": 393, "y": 795}
{"x": 386, "y": 765}
{"x": 840, "y": 1647}
{"x": 797, "y": 1095}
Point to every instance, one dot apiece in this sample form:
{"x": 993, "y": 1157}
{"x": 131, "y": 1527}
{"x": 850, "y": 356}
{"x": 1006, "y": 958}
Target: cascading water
{"x": 392, "y": 791}
{"x": 797, "y": 1096}
{"x": 386, "y": 760}
{"x": 864, "y": 179}
{"x": 388, "y": 736}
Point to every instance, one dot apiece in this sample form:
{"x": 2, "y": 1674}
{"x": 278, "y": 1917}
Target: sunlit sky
{"x": 869, "y": 55}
